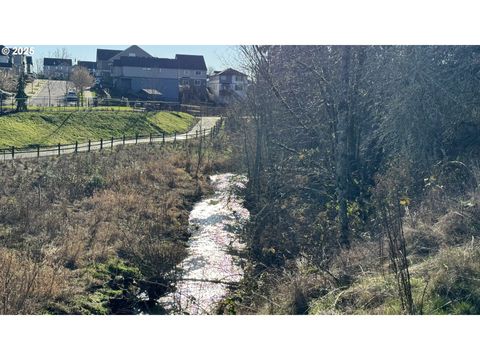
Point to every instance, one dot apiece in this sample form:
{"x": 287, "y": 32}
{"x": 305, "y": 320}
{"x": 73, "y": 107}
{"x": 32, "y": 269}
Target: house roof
{"x": 150, "y": 62}
{"x": 107, "y": 54}
{"x": 57, "y": 62}
{"x": 193, "y": 62}
{"x": 228, "y": 71}
{"x": 87, "y": 64}
{"x": 138, "y": 51}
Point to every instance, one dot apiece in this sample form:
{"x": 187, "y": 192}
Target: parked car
{"x": 71, "y": 96}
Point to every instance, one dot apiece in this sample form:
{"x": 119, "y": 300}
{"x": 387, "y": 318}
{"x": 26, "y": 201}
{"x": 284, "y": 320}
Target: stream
{"x": 211, "y": 266}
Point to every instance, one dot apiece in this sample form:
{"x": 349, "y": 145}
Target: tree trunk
{"x": 343, "y": 120}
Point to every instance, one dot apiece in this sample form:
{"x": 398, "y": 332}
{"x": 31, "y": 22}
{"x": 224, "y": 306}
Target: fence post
{"x": 59, "y": 148}
{"x": 196, "y": 134}
{"x": 76, "y": 147}
{"x": 101, "y": 144}
{"x": 136, "y": 139}
{"x": 38, "y": 150}
{"x": 89, "y": 143}
{"x": 175, "y": 138}
{"x": 163, "y": 138}
{"x": 123, "y": 139}
{"x": 204, "y": 133}
{"x": 13, "y": 152}
{"x": 111, "y": 144}
{"x": 150, "y": 138}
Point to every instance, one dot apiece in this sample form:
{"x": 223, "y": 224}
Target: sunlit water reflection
{"x": 211, "y": 267}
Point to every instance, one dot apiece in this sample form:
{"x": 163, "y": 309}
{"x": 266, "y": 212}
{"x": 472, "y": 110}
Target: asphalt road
{"x": 204, "y": 126}
{"x": 54, "y": 97}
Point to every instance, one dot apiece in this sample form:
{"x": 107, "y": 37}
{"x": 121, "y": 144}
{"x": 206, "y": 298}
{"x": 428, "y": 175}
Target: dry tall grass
{"x": 62, "y": 218}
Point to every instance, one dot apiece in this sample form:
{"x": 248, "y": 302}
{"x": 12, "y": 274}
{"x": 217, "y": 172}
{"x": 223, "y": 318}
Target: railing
{"x": 37, "y": 151}
{"x": 55, "y": 103}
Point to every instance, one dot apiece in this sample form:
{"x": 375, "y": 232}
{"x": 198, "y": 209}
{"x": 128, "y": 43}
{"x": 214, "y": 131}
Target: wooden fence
{"x": 37, "y": 151}
{"x": 45, "y": 104}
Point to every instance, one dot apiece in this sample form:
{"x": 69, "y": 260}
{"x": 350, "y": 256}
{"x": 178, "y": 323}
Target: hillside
{"x": 49, "y": 128}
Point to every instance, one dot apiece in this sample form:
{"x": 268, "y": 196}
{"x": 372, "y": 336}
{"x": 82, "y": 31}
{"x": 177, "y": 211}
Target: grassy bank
{"x": 87, "y": 234}
{"x": 444, "y": 266}
{"x": 50, "y": 128}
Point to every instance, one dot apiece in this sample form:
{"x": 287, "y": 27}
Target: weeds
{"x": 121, "y": 216}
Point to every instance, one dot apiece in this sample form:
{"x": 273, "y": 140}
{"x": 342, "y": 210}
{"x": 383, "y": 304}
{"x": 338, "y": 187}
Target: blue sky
{"x": 216, "y": 56}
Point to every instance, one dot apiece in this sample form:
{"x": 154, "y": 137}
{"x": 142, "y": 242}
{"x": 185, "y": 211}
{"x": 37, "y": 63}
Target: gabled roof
{"x": 228, "y": 71}
{"x": 107, "y": 54}
{"x": 138, "y": 51}
{"x": 191, "y": 62}
{"x": 150, "y": 62}
{"x": 87, "y": 64}
{"x": 57, "y": 62}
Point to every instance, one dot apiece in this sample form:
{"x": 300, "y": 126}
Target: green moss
{"x": 113, "y": 288}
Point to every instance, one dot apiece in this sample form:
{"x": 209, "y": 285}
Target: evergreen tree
{"x": 21, "y": 96}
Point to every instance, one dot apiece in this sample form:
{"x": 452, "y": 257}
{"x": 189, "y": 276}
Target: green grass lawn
{"x": 50, "y": 128}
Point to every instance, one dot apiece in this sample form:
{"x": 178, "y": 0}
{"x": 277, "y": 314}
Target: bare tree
{"x": 8, "y": 82}
{"x": 81, "y": 79}
{"x": 49, "y": 88}
{"x": 60, "y": 54}
{"x": 38, "y": 66}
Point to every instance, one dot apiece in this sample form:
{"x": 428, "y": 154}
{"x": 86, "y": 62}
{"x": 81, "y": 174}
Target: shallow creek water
{"x": 211, "y": 267}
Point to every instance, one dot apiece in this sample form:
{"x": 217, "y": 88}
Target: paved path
{"x": 34, "y": 88}
{"x": 204, "y": 126}
{"x": 51, "y": 94}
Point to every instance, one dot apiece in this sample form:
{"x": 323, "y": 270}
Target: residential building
{"x": 106, "y": 57}
{"x": 91, "y": 66}
{"x": 59, "y": 69}
{"x": 15, "y": 63}
{"x": 132, "y": 75}
{"x": 133, "y": 71}
{"x": 104, "y": 65}
{"x": 192, "y": 77}
{"x": 227, "y": 85}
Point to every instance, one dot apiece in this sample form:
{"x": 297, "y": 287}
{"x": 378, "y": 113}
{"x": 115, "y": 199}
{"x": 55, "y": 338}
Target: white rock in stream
{"x": 210, "y": 266}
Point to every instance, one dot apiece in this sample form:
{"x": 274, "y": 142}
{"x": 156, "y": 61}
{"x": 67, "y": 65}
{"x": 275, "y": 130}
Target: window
{"x": 198, "y": 82}
{"x": 186, "y": 72}
{"x": 238, "y": 87}
{"x": 198, "y": 72}
{"x": 223, "y": 77}
{"x": 146, "y": 69}
{"x": 131, "y": 54}
{"x": 185, "y": 82}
